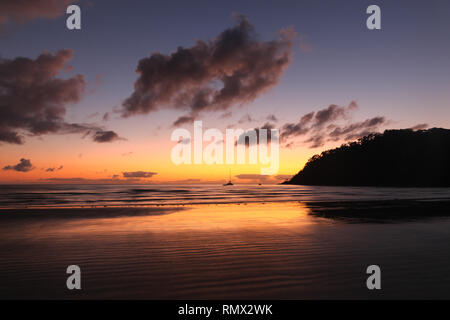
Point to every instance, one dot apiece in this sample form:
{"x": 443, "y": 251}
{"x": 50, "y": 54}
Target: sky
{"x": 74, "y": 109}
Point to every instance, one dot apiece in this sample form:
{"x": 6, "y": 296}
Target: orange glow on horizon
{"x": 86, "y": 162}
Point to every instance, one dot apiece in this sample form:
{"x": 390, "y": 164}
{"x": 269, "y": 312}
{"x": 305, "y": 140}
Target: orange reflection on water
{"x": 200, "y": 218}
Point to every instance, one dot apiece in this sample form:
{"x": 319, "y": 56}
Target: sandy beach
{"x": 282, "y": 250}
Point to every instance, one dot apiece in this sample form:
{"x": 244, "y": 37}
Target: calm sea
{"x": 20, "y": 196}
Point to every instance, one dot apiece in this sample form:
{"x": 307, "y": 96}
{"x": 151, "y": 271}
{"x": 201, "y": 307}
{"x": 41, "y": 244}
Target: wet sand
{"x": 286, "y": 250}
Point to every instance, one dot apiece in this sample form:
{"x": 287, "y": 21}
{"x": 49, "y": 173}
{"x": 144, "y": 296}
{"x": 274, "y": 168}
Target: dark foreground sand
{"x": 286, "y": 250}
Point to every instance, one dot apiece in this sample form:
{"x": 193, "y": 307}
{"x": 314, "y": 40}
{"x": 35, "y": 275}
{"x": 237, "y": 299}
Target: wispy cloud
{"x": 53, "y": 169}
{"x": 333, "y": 123}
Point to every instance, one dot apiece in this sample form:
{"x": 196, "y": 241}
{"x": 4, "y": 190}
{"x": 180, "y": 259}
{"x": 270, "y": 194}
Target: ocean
{"x": 56, "y": 195}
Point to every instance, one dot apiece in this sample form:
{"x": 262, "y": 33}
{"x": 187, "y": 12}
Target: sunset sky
{"x": 310, "y": 68}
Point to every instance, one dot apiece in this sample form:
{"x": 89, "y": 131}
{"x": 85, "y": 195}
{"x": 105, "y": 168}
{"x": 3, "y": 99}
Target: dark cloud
{"x": 232, "y": 69}
{"x": 23, "y": 166}
{"x": 33, "y": 98}
{"x": 53, "y": 169}
{"x": 316, "y": 141}
{"x": 183, "y": 120}
{"x": 10, "y": 136}
{"x": 138, "y": 174}
{"x": 20, "y": 11}
{"x": 297, "y": 129}
{"x": 323, "y": 125}
{"x": 356, "y": 130}
{"x": 333, "y": 112}
{"x": 105, "y": 136}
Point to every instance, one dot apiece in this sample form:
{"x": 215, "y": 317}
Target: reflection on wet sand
{"x": 387, "y": 211}
{"x": 271, "y": 250}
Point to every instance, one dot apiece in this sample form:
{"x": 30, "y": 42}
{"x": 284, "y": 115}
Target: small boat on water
{"x": 229, "y": 183}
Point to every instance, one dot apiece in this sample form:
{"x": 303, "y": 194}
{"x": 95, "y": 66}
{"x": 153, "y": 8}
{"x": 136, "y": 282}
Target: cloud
{"x": 10, "y": 137}
{"x": 33, "y": 99}
{"x": 53, "y": 169}
{"x": 105, "y": 136}
{"x": 23, "y": 166}
{"x": 332, "y": 113}
{"x": 324, "y": 125}
{"x": 138, "y": 174}
{"x": 232, "y": 69}
{"x": 20, "y": 11}
{"x": 182, "y": 120}
{"x": 297, "y": 129}
{"x": 357, "y": 129}
{"x": 272, "y": 117}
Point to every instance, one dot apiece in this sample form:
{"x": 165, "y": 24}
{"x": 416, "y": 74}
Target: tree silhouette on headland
{"x": 403, "y": 158}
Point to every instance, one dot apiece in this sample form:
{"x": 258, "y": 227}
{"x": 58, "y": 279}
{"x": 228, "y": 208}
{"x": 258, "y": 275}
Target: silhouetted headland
{"x": 397, "y": 158}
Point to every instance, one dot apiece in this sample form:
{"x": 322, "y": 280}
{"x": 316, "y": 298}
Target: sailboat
{"x": 229, "y": 183}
